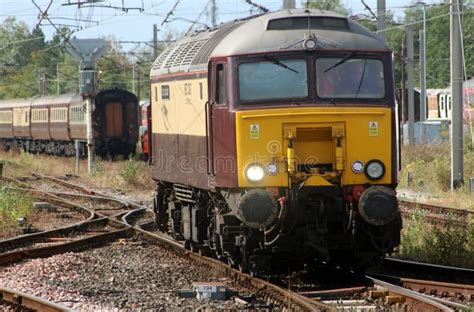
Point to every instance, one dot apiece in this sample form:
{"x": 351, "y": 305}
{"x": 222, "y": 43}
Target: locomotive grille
{"x": 203, "y": 55}
{"x": 159, "y": 62}
{"x": 182, "y": 54}
{"x": 184, "y": 193}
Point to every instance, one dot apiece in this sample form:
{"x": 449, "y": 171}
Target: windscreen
{"x": 273, "y": 79}
{"x": 353, "y": 78}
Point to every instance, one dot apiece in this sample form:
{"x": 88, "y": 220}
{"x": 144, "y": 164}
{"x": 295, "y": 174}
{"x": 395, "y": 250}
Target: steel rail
{"x": 437, "y": 209}
{"x": 23, "y": 240}
{"x": 30, "y": 302}
{"x": 438, "y": 214}
{"x": 442, "y": 273}
{"x": 77, "y": 244}
{"x": 432, "y": 289}
{"x": 57, "y": 199}
{"x": 76, "y": 195}
{"x": 87, "y": 190}
{"x": 269, "y": 291}
{"x": 422, "y": 301}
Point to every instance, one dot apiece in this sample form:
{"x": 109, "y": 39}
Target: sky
{"x": 138, "y": 26}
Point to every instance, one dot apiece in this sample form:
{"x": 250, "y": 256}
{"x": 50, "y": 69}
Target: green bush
{"x": 130, "y": 170}
{"x": 414, "y": 229}
{"x": 13, "y": 205}
{"x": 448, "y": 244}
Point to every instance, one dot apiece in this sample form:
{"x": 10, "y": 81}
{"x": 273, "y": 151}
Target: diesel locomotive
{"x": 51, "y": 124}
{"x": 274, "y": 142}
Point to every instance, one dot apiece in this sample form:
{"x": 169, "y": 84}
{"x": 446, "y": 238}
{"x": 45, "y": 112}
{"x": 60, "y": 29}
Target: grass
{"x": 13, "y": 206}
{"x": 131, "y": 176}
{"x": 431, "y": 169}
{"x": 430, "y": 166}
{"x": 447, "y": 245}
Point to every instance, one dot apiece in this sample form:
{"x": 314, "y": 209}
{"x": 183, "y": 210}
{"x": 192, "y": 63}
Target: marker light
{"x": 272, "y": 168}
{"x": 374, "y": 169}
{"x": 254, "y": 172}
{"x": 358, "y": 166}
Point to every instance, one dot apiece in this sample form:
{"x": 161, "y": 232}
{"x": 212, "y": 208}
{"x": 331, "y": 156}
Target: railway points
{"x": 272, "y": 153}
{"x": 143, "y": 222}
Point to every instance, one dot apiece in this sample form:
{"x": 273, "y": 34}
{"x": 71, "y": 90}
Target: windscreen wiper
{"x": 342, "y": 61}
{"x": 280, "y": 63}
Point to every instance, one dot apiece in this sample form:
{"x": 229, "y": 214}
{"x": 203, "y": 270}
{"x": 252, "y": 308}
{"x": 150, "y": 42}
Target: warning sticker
{"x": 373, "y": 128}
{"x": 254, "y": 131}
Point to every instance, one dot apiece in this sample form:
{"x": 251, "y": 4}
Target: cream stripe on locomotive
{"x": 178, "y": 107}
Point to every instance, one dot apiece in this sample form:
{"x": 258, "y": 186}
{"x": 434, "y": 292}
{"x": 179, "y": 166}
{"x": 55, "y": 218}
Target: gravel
{"x": 126, "y": 275}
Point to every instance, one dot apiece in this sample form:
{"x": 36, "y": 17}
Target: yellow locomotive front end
{"x": 317, "y": 146}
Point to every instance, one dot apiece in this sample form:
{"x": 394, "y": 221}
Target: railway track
{"x": 420, "y": 270}
{"x": 19, "y": 301}
{"x": 131, "y": 223}
{"x": 138, "y": 221}
{"x": 388, "y": 293}
{"x": 438, "y": 214}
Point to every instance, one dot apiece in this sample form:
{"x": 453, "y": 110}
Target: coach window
{"x": 221, "y": 85}
{"x": 156, "y": 93}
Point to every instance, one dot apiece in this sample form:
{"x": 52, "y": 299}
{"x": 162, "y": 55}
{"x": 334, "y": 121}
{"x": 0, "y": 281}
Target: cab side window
{"x": 221, "y": 84}
{"x": 165, "y": 92}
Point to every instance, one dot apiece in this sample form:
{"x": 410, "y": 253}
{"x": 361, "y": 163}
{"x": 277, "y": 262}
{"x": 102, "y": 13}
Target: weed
{"x": 430, "y": 166}
{"x": 97, "y": 168}
{"x": 13, "y": 206}
{"x": 449, "y": 244}
{"x": 129, "y": 172}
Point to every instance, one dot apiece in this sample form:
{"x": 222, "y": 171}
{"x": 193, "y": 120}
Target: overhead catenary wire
{"x": 258, "y": 6}
{"x": 418, "y": 22}
{"x": 170, "y": 13}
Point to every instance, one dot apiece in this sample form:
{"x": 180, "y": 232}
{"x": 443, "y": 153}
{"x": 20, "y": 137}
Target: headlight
{"x": 358, "y": 166}
{"x": 374, "y": 169}
{"x": 254, "y": 172}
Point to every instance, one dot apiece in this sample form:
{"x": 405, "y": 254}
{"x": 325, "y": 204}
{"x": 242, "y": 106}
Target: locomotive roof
{"x": 277, "y": 31}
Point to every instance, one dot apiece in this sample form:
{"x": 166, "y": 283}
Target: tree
{"x": 329, "y": 5}
{"x": 437, "y": 44}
